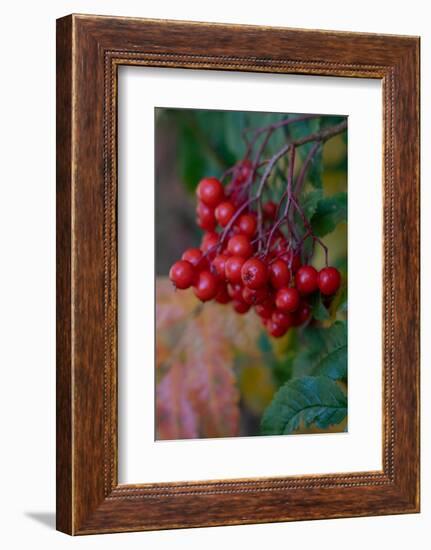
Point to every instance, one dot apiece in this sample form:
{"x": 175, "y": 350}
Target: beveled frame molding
{"x": 89, "y": 51}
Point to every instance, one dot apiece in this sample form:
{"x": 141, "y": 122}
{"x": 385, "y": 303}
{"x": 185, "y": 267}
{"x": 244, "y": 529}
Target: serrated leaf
{"x": 303, "y": 363}
{"x": 334, "y": 365}
{"x": 333, "y": 361}
{"x": 325, "y": 352}
{"x": 329, "y": 213}
{"x": 313, "y": 338}
{"x": 302, "y": 402}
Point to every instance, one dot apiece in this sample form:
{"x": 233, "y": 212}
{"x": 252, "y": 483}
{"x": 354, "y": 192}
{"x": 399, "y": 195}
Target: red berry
{"x": 222, "y": 296}
{"x": 182, "y": 274}
{"x": 205, "y": 217}
{"x": 206, "y": 286}
{"x": 279, "y": 274}
{"x": 275, "y": 329}
{"x": 218, "y": 265}
{"x": 329, "y": 280}
{"x": 254, "y": 273}
{"x": 210, "y": 191}
{"x": 269, "y": 210}
{"x": 239, "y": 245}
{"x": 287, "y": 299}
{"x": 242, "y": 171}
{"x": 265, "y": 310}
{"x": 224, "y": 212}
{"x": 247, "y": 225}
{"x": 236, "y": 197}
{"x": 283, "y": 318}
{"x": 306, "y": 279}
{"x": 240, "y": 306}
{"x": 281, "y": 244}
{"x": 288, "y": 255}
{"x": 194, "y": 256}
{"x": 235, "y": 291}
{"x": 295, "y": 263}
{"x": 301, "y": 314}
{"x": 209, "y": 240}
{"x": 233, "y": 267}
{"x": 292, "y": 259}
{"x": 253, "y": 297}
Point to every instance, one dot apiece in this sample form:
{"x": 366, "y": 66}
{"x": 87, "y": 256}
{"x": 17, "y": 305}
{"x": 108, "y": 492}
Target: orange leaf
{"x": 199, "y": 344}
{"x": 212, "y": 383}
{"x": 176, "y": 418}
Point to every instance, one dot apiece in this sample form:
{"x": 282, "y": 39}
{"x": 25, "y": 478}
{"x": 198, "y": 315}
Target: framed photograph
{"x": 237, "y": 274}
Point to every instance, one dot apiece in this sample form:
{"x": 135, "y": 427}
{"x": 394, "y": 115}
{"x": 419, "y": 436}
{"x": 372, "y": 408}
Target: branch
{"x": 304, "y": 167}
{"x": 322, "y": 135}
{"x": 280, "y": 124}
{"x": 288, "y": 192}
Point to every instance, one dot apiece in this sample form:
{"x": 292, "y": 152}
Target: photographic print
{"x": 228, "y": 400}
{"x": 251, "y": 273}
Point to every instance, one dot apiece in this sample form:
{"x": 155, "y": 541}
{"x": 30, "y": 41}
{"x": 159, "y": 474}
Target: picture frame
{"x": 89, "y": 51}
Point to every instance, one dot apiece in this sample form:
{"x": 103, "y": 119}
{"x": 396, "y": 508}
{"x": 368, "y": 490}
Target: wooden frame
{"x": 89, "y": 51}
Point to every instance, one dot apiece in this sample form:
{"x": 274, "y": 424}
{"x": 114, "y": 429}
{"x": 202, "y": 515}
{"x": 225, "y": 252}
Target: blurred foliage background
{"x": 218, "y": 373}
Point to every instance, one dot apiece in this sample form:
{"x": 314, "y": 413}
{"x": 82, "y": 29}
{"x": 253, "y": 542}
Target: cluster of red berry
{"x": 229, "y": 267}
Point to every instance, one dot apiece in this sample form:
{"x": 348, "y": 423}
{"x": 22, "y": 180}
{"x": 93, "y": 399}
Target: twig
{"x": 322, "y": 135}
{"x": 308, "y": 159}
{"x": 284, "y": 217}
{"x": 310, "y": 230}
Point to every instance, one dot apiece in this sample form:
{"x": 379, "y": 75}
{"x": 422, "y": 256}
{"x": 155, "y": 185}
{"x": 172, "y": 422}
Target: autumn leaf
{"x": 176, "y": 418}
{"x": 211, "y": 381}
{"x": 172, "y": 305}
{"x": 202, "y": 342}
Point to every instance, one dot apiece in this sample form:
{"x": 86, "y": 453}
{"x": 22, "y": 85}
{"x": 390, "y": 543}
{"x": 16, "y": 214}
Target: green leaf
{"x": 325, "y": 352}
{"x": 192, "y": 162}
{"x": 334, "y": 365}
{"x": 235, "y": 123}
{"x": 303, "y": 363}
{"x": 310, "y": 201}
{"x": 315, "y": 169}
{"x": 329, "y": 213}
{"x": 332, "y": 362}
{"x": 319, "y": 311}
{"x": 202, "y": 145}
{"x": 339, "y": 301}
{"x": 282, "y": 368}
{"x": 212, "y": 129}
{"x": 314, "y": 338}
{"x": 304, "y": 401}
